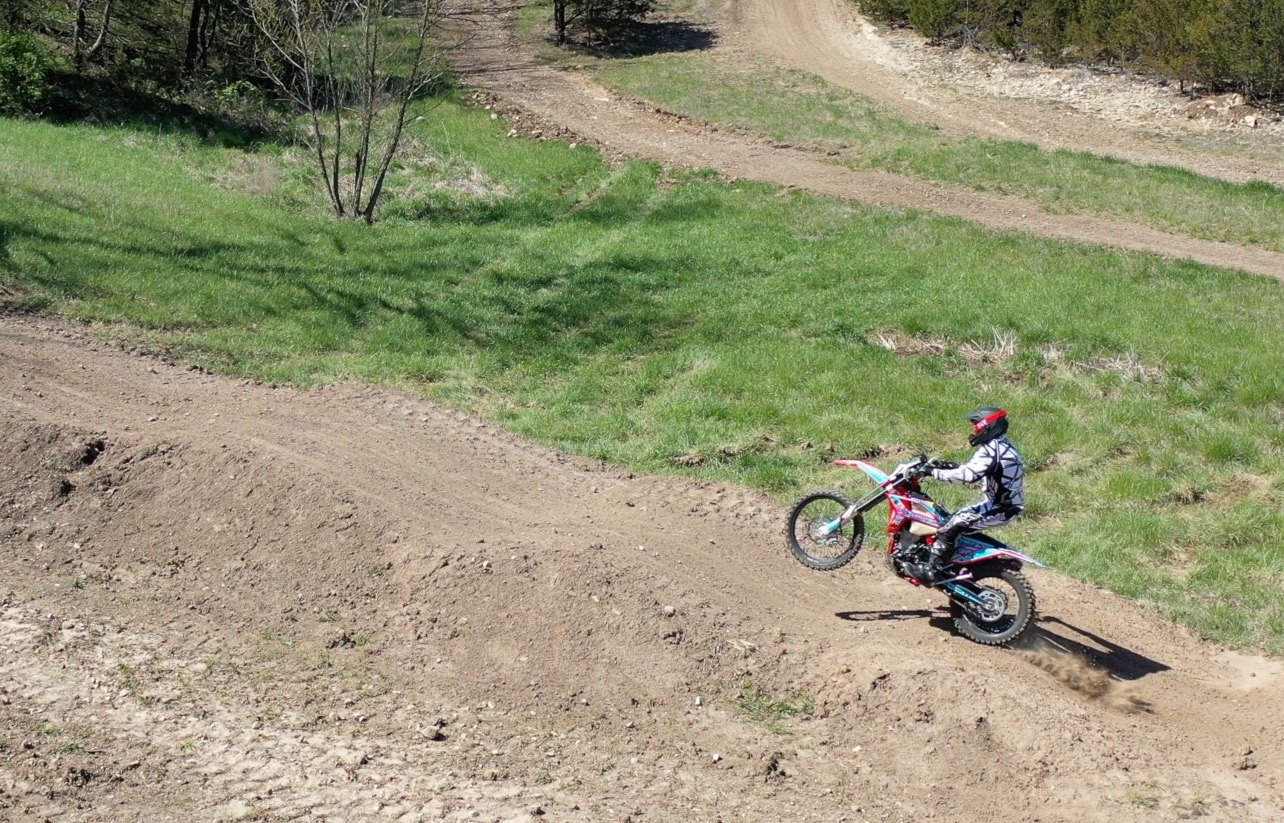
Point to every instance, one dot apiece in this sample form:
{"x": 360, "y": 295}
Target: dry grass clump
{"x": 1128, "y": 365}
{"x": 1003, "y": 347}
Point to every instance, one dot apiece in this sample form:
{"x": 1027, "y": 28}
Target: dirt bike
{"x": 991, "y": 601}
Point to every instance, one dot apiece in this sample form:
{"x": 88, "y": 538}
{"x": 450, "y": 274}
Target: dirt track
{"x": 830, "y": 39}
{"x": 224, "y": 600}
{"x": 824, "y": 38}
{"x": 227, "y": 599}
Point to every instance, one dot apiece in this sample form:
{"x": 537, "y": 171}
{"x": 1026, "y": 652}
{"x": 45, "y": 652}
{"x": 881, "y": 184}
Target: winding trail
{"x": 224, "y": 600}
{"x": 830, "y": 39}
{"x": 821, "y": 37}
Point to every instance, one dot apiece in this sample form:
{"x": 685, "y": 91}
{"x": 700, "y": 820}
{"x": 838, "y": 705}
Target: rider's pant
{"x": 970, "y": 519}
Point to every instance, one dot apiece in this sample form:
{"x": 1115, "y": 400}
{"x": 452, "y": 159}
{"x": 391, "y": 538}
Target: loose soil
{"x": 226, "y": 600}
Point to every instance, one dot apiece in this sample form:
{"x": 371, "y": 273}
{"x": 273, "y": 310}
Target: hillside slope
{"x": 227, "y": 600}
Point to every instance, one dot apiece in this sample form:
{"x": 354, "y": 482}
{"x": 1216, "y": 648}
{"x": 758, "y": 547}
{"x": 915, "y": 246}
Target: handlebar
{"x": 913, "y": 469}
{"x": 922, "y": 466}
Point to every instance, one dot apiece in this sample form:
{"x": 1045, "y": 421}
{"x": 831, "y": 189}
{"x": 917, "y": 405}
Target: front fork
{"x": 861, "y": 506}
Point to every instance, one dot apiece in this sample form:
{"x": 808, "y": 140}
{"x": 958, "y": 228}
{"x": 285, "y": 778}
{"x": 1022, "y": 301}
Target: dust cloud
{"x": 1081, "y": 676}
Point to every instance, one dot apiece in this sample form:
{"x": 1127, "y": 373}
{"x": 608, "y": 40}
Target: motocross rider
{"x": 997, "y": 464}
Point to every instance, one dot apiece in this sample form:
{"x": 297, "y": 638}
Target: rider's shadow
{"x": 1120, "y": 662}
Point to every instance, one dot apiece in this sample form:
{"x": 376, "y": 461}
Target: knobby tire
{"x": 1007, "y": 629}
{"x": 814, "y": 551}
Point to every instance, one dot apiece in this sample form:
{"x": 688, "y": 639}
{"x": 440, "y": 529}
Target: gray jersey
{"x": 998, "y": 465}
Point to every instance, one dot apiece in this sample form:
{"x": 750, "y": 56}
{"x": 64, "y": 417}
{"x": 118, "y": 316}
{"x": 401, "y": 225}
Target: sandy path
{"x": 830, "y": 39}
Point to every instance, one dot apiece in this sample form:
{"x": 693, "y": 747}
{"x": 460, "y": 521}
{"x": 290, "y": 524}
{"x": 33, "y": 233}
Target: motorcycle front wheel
{"x": 1004, "y": 612}
{"x": 815, "y": 536}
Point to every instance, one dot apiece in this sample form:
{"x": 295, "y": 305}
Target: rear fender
{"x": 971, "y": 552}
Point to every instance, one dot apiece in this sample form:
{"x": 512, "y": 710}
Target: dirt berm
{"x": 224, "y": 600}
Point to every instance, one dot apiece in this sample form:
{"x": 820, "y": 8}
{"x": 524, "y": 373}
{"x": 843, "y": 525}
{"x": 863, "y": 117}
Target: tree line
{"x": 162, "y": 43}
{"x": 1217, "y": 45}
{"x": 338, "y": 77}
{"x": 170, "y": 45}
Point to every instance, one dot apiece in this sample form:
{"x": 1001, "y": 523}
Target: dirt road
{"x": 968, "y": 94}
{"x": 826, "y": 39}
{"x": 223, "y": 600}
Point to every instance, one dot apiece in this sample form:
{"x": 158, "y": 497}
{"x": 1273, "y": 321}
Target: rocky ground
{"x": 223, "y": 600}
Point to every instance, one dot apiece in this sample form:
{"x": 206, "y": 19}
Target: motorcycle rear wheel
{"x": 811, "y": 538}
{"x": 1008, "y": 611}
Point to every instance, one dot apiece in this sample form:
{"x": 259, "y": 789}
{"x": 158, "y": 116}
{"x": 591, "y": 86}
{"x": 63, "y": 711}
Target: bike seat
{"x": 985, "y": 540}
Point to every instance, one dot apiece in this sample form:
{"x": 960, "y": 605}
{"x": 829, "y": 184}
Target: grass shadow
{"x": 98, "y": 98}
{"x": 298, "y": 289}
{"x": 644, "y": 39}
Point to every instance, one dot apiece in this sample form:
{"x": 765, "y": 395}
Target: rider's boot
{"x": 934, "y": 571}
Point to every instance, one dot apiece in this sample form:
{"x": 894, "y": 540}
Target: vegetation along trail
{"x": 835, "y": 44}
{"x": 830, "y": 39}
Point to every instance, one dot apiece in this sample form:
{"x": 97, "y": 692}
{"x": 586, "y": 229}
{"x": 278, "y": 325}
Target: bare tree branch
{"x": 352, "y": 71}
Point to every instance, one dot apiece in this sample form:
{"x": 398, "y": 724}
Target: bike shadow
{"x": 939, "y": 618}
{"x": 1052, "y": 633}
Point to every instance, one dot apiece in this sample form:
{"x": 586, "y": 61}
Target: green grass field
{"x": 669, "y": 322}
